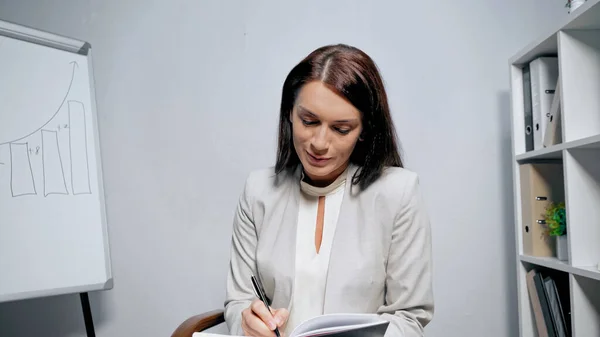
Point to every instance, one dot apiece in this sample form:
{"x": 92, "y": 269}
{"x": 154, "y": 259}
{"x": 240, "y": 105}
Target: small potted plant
{"x": 556, "y": 222}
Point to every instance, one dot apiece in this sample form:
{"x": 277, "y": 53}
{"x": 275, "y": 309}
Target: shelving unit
{"x": 576, "y": 43}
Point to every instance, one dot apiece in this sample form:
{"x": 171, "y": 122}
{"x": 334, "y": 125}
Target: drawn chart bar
{"x": 80, "y": 172}
{"x": 21, "y": 174}
{"x": 54, "y": 174}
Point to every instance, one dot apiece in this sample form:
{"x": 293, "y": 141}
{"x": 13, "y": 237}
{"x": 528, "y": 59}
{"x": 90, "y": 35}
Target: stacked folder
{"x": 548, "y": 307}
{"x": 541, "y": 94}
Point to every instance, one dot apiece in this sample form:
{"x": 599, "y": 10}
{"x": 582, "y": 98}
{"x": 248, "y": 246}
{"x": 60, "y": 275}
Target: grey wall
{"x": 188, "y": 93}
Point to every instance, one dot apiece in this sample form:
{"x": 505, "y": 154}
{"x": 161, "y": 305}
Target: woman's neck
{"x": 327, "y": 180}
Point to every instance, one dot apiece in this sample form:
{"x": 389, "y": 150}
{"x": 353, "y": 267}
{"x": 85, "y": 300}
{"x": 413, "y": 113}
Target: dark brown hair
{"x": 353, "y": 75}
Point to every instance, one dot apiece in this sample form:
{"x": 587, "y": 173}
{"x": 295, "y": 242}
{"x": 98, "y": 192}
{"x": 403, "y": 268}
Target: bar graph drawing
{"x": 61, "y": 138}
{"x": 21, "y": 177}
{"x": 54, "y": 174}
{"x": 80, "y": 171}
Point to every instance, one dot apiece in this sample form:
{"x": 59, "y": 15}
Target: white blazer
{"x": 380, "y": 257}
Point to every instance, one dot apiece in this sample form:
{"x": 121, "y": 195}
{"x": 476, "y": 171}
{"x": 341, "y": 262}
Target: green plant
{"x": 556, "y": 219}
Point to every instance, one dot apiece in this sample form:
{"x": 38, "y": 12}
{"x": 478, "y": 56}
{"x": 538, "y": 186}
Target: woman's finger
{"x": 260, "y": 310}
{"x": 248, "y": 331}
{"x": 254, "y": 326}
{"x": 281, "y": 316}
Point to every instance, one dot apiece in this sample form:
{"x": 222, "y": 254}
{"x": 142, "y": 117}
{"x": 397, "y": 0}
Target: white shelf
{"x": 556, "y": 151}
{"x": 575, "y": 41}
{"x": 553, "y": 263}
{"x": 587, "y": 272}
{"x": 548, "y": 262}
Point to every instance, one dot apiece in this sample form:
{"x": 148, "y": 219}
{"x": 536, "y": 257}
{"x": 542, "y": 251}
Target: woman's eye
{"x": 342, "y": 131}
{"x": 306, "y": 122}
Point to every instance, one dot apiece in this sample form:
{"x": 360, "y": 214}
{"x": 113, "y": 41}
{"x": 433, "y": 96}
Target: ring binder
{"x": 541, "y": 184}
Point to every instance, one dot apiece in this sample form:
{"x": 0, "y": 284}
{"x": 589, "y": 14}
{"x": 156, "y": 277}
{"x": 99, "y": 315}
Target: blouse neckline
{"x": 316, "y": 191}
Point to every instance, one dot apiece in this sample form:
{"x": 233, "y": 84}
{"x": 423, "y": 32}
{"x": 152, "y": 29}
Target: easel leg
{"x": 87, "y": 315}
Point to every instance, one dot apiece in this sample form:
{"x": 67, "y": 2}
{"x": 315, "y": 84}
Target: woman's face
{"x": 325, "y": 129}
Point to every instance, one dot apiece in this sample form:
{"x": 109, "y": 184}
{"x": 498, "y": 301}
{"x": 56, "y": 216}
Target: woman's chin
{"x": 317, "y": 172}
{"x": 322, "y": 174}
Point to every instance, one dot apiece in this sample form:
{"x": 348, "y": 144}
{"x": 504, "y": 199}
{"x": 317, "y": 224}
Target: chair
{"x": 199, "y": 323}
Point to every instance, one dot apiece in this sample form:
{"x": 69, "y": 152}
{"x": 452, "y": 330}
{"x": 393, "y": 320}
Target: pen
{"x": 260, "y": 292}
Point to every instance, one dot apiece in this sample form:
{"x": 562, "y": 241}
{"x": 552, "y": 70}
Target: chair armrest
{"x": 199, "y": 323}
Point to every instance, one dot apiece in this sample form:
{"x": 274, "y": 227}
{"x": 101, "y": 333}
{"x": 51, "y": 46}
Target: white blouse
{"x": 311, "y": 267}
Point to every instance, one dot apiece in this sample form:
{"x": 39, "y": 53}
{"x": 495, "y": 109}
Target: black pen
{"x": 260, "y": 292}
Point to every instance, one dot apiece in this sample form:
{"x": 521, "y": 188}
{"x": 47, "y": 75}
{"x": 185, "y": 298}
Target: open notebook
{"x": 338, "y": 325}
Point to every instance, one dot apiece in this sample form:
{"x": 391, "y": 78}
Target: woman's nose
{"x": 320, "y": 140}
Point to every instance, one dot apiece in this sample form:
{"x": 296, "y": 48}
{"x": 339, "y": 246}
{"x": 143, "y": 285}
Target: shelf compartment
{"x": 541, "y": 184}
{"x": 586, "y": 306}
{"x": 587, "y": 16}
{"x": 582, "y": 174}
{"x": 579, "y": 66}
{"x": 542, "y": 47}
{"x": 518, "y": 94}
{"x": 526, "y": 318}
{"x": 528, "y": 315}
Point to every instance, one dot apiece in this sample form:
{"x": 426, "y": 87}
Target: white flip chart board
{"x": 53, "y": 229}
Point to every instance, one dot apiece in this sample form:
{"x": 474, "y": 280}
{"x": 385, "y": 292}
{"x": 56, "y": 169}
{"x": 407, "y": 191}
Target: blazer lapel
{"x": 284, "y": 245}
{"x": 344, "y": 229}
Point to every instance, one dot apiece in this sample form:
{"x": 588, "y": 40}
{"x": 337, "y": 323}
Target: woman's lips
{"x": 316, "y": 160}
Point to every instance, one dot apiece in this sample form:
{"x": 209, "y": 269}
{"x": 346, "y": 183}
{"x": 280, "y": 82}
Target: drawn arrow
{"x": 75, "y": 65}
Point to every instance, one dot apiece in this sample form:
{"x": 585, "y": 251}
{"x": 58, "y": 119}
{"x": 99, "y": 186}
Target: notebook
{"x": 334, "y": 325}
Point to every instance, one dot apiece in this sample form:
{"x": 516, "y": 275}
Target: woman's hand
{"x": 257, "y": 321}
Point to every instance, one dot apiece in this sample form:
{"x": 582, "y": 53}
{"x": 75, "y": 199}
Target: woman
{"x": 337, "y": 225}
